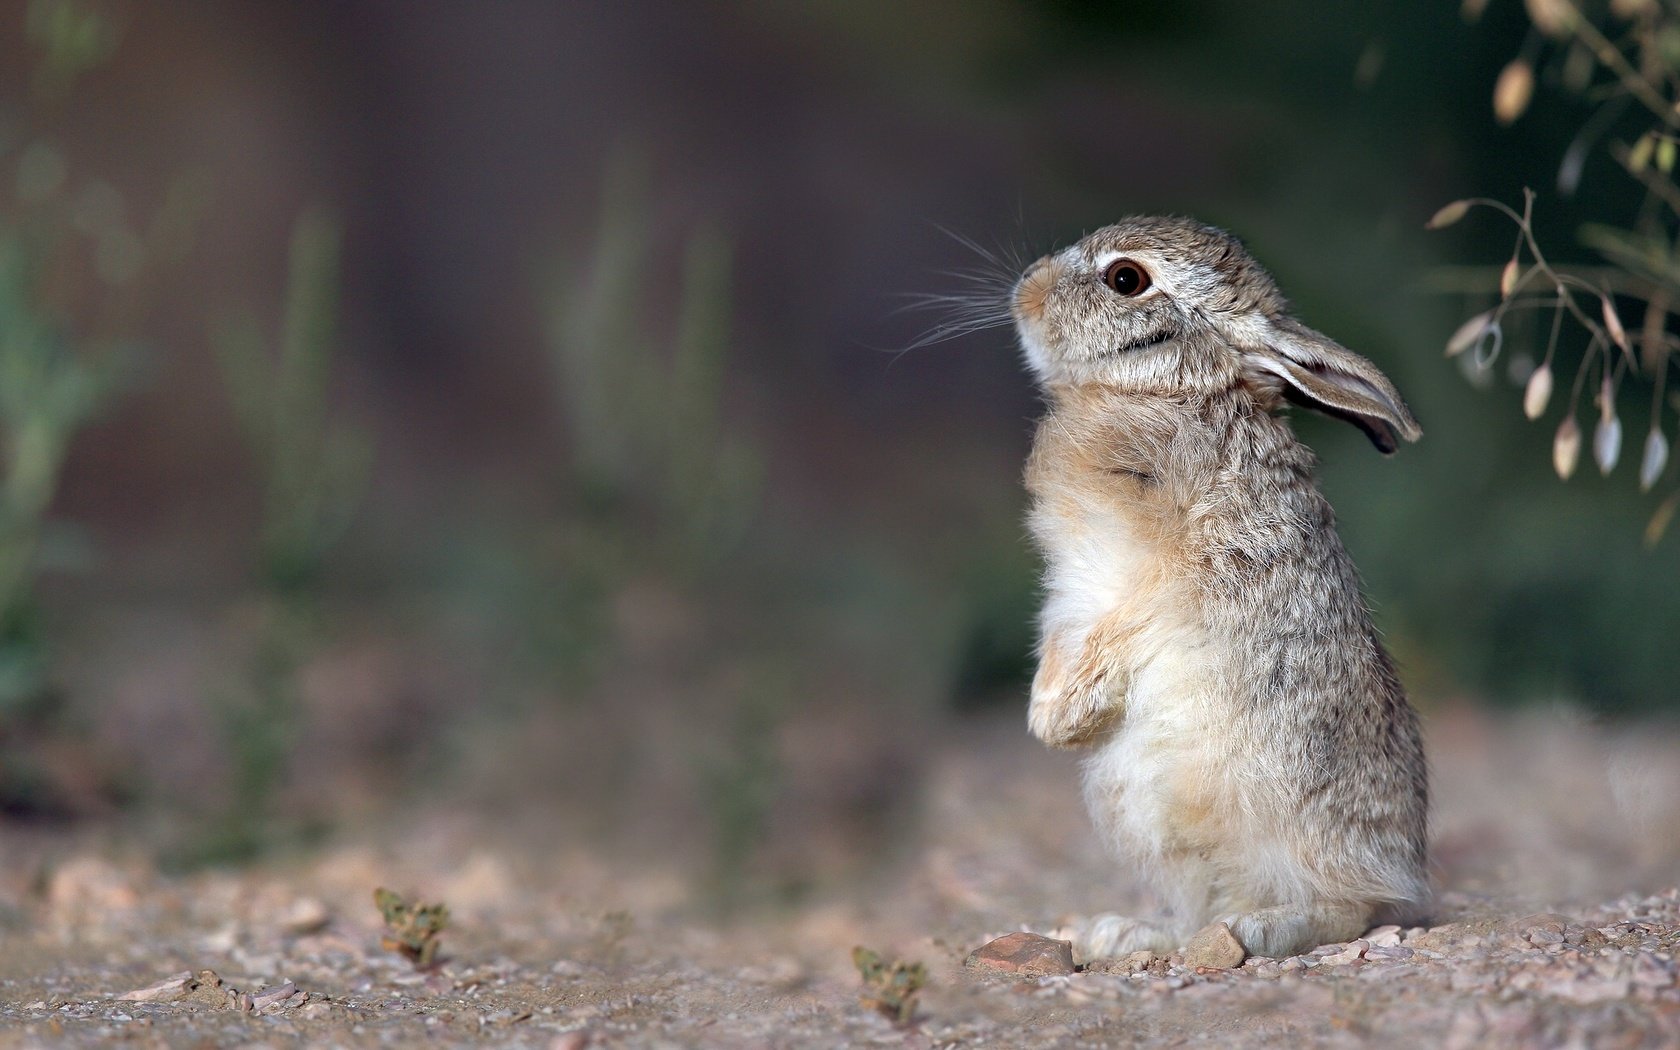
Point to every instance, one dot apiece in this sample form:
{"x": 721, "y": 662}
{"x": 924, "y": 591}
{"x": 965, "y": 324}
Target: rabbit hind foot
{"x": 1279, "y": 932}
{"x": 1110, "y": 936}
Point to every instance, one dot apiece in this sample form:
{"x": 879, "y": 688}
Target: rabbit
{"x": 1204, "y": 636}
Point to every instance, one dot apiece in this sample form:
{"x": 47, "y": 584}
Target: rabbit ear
{"x": 1322, "y": 374}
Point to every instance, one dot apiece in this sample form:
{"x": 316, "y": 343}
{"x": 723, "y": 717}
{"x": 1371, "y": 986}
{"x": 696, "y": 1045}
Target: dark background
{"x": 511, "y": 619}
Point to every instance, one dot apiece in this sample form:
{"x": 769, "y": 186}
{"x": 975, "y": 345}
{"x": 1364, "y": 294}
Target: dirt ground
{"x": 1559, "y": 925}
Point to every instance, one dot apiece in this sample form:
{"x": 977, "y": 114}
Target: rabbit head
{"x": 1174, "y": 308}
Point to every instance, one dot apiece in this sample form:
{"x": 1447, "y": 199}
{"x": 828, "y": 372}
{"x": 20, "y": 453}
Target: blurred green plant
{"x": 315, "y": 475}
{"x": 890, "y": 988}
{"x": 645, "y": 415}
{"x": 315, "y": 472}
{"x": 994, "y": 658}
{"x": 51, "y": 388}
{"x": 740, "y": 785}
{"x": 72, "y": 38}
{"x": 1626, "y": 60}
{"x": 73, "y": 282}
{"x": 661, "y": 491}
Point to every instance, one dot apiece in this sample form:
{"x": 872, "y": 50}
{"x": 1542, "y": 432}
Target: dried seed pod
{"x": 1468, "y": 333}
{"x": 1538, "y": 393}
{"x": 1552, "y": 17}
{"x": 1487, "y": 345}
{"x": 1513, "y": 90}
{"x": 1607, "y": 442}
{"x": 1613, "y": 324}
{"x": 1640, "y": 155}
{"x": 1654, "y": 459}
{"x": 1508, "y": 278}
{"x": 1665, "y": 155}
{"x": 1570, "y": 168}
{"x": 1449, "y": 214}
{"x": 1566, "y": 448}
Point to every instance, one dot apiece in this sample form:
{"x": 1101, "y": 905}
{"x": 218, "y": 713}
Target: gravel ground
{"x": 1559, "y": 925}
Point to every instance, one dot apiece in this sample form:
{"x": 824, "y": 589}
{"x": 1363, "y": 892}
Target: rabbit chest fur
{"x": 1204, "y": 635}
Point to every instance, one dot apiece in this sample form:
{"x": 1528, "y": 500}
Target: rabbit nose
{"x": 1034, "y": 289}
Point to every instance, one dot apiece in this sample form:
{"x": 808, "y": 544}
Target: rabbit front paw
{"x": 1067, "y": 721}
{"x": 1068, "y": 709}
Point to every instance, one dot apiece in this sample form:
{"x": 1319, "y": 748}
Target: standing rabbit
{"x": 1204, "y": 634}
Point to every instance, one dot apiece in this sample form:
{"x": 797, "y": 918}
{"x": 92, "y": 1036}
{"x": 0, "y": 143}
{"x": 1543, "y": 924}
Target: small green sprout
{"x": 412, "y": 930}
{"x": 889, "y": 988}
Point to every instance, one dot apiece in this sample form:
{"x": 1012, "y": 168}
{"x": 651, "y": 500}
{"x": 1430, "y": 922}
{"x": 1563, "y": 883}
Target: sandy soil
{"x": 1559, "y": 925}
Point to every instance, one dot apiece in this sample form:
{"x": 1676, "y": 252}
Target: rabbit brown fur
{"x": 1204, "y": 633}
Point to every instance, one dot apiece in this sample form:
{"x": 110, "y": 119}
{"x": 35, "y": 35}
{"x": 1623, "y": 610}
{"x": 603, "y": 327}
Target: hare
{"x": 1204, "y": 634}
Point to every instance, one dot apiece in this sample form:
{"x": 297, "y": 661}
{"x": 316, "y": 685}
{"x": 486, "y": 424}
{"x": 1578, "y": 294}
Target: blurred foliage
{"x": 740, "y": 785}
{"x": 315, "y": 475}
{"x": 73, "y": 272}
{"x": 1626, "y": 67}
{"x": 73, "y": 38}
{"x": 1567, "y": 605}
{"x": 995, "y": 658}
{"x": 662, "y": 490}
{"x": 50, "y": 389}
{"x": 644, "y": 415}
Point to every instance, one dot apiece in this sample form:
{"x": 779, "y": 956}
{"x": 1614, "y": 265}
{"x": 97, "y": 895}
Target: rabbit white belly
{"x": 1164, "y": 740}
{"x": 1151, "y": 772}
{"x": 1159, "y": 788}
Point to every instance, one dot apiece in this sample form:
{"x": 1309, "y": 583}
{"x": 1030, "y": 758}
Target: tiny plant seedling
{"x": 411, "y": 930}
{"x": 889, "y": 988}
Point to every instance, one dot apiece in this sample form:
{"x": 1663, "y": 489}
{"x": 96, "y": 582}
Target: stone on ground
{"x": 1216, "y": 947}
{"x": 1027, "y": 954}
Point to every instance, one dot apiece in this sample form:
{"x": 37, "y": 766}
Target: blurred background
{"x": 507, "y": 406}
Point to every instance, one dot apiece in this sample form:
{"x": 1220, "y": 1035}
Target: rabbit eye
{"x": 1126, "y": 277}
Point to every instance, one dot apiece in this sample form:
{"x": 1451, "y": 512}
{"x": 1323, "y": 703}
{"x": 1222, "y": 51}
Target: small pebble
{"x": 1214, "y": 946}
{"x": 1549, "y": 921}
{"x": 1351, "y": 953}
{"x": 1027, "y": 954}
{"x": 306, "y": 915}
{"x": 166, "y": 990}
{"x": 1384, "y": 936}
{"x": 1387, "y": 952}
{"x": 273, "y": 998}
